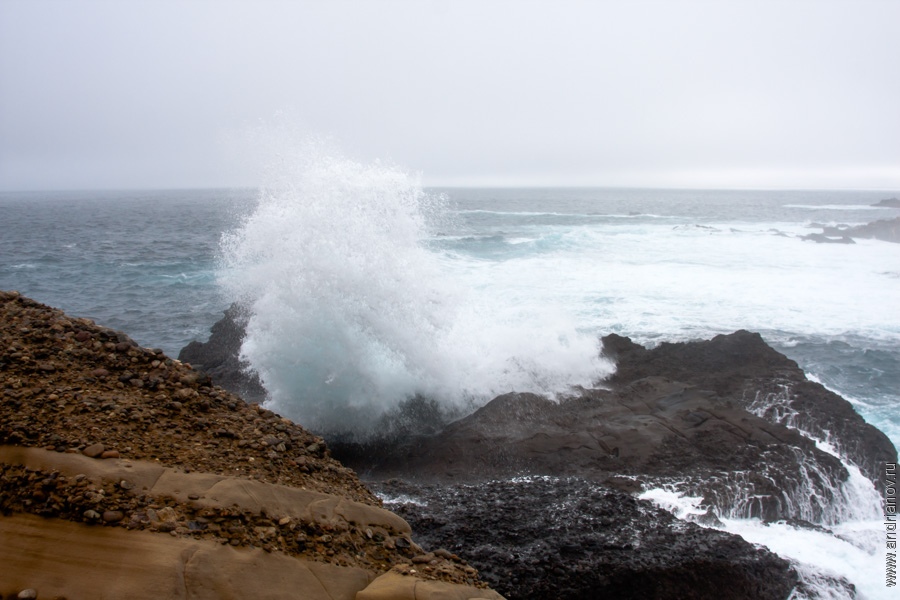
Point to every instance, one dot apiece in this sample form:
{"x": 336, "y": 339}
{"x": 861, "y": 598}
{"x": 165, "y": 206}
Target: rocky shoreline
{"x": 717, "y": 419}
{"x": 536, "y": 496}
{"x": 105, "y": 445}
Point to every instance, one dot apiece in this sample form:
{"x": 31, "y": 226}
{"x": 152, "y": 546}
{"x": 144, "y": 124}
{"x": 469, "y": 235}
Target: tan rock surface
{"x": 394, "y": 586}
{"x": 62, "y": 559}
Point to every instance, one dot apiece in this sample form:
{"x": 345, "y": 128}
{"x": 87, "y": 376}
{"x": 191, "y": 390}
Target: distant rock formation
{"x": 126, "y": 474}
{"x": 888, "y": 203}
{"x": 887, "y": 230}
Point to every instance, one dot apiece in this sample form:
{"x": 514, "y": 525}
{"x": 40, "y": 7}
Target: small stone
{"x": 284, "y": 521}
{"x": 110, "y": 454}
{"x": 28, "y": 594}
{"x": 113, "y": 516}
{"x": 402, "y": 542}
{"x": 99, "y": 372}
{"x": 193, "y": 497}
{"x": 82, "y": 336}
{"x": 93, "y": 515}
{"x": 126, "y": 485}
{"x": 167, "y": 514}
{"x": 94, "y": 450}
{"x": 423, "y": 559}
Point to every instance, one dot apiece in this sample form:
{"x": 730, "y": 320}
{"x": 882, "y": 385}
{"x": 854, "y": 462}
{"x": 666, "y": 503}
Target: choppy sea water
{"x": 367, "y": 289}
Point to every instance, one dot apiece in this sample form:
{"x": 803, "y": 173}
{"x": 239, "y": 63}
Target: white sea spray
{"x": 351, "y": 313}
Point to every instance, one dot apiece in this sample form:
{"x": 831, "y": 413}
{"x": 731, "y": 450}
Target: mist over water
{"x": 351, "y": 312}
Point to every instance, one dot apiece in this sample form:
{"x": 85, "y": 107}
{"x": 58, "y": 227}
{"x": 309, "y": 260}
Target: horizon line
{"x": 472, "y": 187}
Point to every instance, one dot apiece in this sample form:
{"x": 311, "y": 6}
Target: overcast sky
{"x": 674, "y": 93}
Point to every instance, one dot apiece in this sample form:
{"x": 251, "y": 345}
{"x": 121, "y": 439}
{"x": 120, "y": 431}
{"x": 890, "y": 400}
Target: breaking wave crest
{"x": 351, "y": 313}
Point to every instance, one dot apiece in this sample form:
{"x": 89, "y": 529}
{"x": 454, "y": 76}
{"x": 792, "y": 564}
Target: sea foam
{"x": 351, "y": 313}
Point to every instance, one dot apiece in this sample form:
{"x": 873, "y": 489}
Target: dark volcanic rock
{"x": 219, "y": 357}
{"x": 718, "y": 416}
{"x": 569, "y": 538}
{"x": 742, "y": 369}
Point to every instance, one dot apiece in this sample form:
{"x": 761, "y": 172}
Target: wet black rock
{"x": 717, "y": 416}
{"x": 742, "y": 369}
{"x": 546, "y": 537}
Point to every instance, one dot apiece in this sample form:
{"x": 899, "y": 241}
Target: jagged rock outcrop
{"x": 219, "y": 357}
{"x": 126, "y": 474}
{"x": 718, "y": 416}
{"x": 742, "y": 369}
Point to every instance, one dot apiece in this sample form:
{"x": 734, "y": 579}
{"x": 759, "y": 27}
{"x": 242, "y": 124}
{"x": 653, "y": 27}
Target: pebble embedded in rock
{"x": 94, "y": 450}
{"x": 110, "y": 454}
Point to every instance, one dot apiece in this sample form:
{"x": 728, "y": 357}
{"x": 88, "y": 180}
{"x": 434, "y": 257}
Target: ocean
{"x": 367, "y": 288}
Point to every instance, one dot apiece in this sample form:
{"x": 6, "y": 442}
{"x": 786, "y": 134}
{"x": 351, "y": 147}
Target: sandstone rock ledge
{"x": 126, "y": 474}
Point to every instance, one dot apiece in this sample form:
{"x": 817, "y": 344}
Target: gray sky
{"x": 680, "y": 93}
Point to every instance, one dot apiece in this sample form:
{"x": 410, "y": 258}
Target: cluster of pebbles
{"x": 70, "y": 386}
